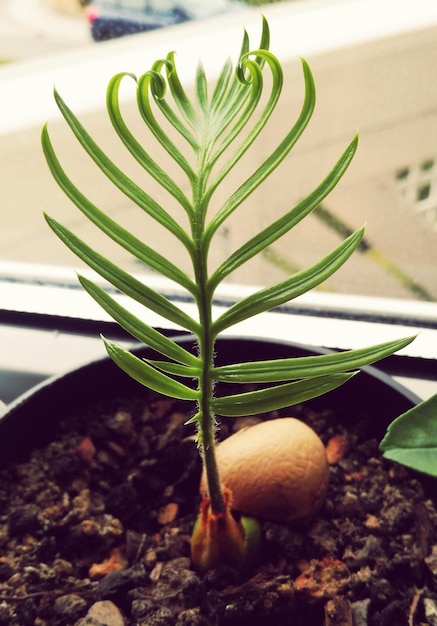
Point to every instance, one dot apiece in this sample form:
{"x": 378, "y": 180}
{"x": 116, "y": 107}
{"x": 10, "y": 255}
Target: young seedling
{"x": 217, "y": 129}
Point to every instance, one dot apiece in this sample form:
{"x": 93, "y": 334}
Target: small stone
{"x": 117, "y": 449}
{"x": 121, "y": 423}
{"x": 85, "y": 449}
{"x": 119, "y": 582}
{"x": 192, "y": 590}
{"x": 168, "y": 513}
{"x": 25, "y": 613}
{"x": 101, "y": 534}
{"x": 338, "y": 612}
{"x": 104, "y": 458}
{"x": 135, "y": 545}
{"x": 336, "y": 448}
{"x": 65, "y": 466}
{"x": 360, "y": 611}
{"x": 15, "y": 580}
{"x": 116, "y": 561}
{"x": 71, "y": 606}
{"x": 431, "y": 560}
{"x": 162, "y": 406}
{"x": 156, "y": 572}
{"x": 322, "y": 579}
{"x": 6, "y": 571}
{"x": 22, "y": 520}
{"x": 81, "y": 505}
{"x": 430, "y": 611}
{"x": 372, "y": 522}
{"x": 350, "y": 505}
{"x": 62, "y": 567}
{"x": 168, "y": 491}
{"x": 191, "y": 617}
{"x": 106, "y": 526}
{"x": 121, "y": 501}
{"x": 5, "y": 614}
{"x": 102, "y": 613}
{"x": 150, "y": 559}
{"x": 173, "y": 431}
{"x": 141, "y": 610}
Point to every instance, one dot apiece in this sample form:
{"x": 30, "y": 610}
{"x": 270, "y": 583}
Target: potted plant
{"x": 295, "y": 521}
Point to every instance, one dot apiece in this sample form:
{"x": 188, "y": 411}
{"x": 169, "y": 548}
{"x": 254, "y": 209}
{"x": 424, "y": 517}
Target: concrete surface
{"x": 383, "y": 86}
{"x": 30, "y": 29}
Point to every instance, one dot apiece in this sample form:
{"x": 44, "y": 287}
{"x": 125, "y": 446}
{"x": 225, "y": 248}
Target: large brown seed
{"x": 276, "y": 470}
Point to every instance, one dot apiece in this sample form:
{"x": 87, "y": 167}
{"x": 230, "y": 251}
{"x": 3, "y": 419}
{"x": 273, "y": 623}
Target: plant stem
{"x": 206, "y": 346}
{"x": 206, "y": 387}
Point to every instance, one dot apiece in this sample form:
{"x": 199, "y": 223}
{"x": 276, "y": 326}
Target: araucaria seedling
{"x": 217, "y": 127}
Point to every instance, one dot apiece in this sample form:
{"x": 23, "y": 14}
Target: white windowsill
{"x": 55, "y": 293}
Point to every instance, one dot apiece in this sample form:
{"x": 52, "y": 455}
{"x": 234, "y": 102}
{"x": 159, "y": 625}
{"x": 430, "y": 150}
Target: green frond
{"x": 205, "y": 132}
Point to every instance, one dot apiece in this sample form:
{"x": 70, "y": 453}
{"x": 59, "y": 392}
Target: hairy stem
{"x": 206, "y": 418}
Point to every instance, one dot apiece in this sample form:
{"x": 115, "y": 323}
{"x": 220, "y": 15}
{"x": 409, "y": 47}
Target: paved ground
{"x": 28, "y": 28}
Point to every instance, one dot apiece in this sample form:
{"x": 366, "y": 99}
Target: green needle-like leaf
{"x": 273, "y": 161}
{"x": 146, "y": 88}
{"x": 136, "y": 149}
{"x": 278, "y": 397}
{"x": 308, "y": 366}
{"x": 253, "y": 92}
{"x": 221, "y": 86}
{"x": 411, "y": 439}
{"x": 284, "y": 224}
{"x": 300, "y": 283}
{"x": 117, "y": 233}
{"x": 186, "y": 371}
{"x": 138, "y": 329}
{"x": 202, "y": 89}
{"x": 140, "y": 371}
{"x": 122, "y": 280}
{"x": 117, "y": 176}
{"x": 186, "y": 108}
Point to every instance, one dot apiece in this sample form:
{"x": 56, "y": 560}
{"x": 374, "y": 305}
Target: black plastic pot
{"x": 31, "y": 419}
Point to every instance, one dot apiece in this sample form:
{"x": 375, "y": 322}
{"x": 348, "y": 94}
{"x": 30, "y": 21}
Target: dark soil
{"x": 94, "y": 529}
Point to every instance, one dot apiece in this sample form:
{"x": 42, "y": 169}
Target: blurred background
{"x": 374, "y": 67}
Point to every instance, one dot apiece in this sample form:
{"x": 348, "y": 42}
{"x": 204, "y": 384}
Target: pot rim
{"x": 34, "y": 412}
{"x": 45, "y": 385}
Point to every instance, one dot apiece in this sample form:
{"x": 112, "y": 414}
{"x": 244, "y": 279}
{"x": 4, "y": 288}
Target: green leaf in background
{"x": 411, "y": 439}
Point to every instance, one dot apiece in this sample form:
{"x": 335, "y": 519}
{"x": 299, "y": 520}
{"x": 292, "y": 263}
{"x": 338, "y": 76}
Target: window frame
{"x": 49, "y": 325}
